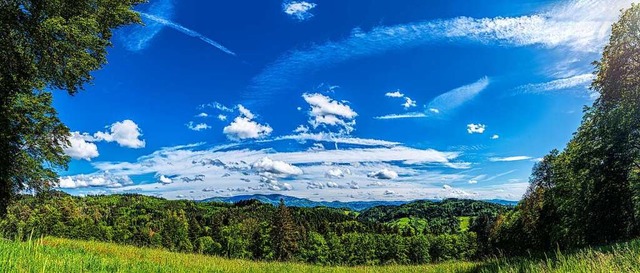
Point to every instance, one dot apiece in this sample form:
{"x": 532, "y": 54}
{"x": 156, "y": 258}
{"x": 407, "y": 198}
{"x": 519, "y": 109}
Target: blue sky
{"x": 335, "y": 100}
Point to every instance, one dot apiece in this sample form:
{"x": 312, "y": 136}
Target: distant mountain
{"x": 291, "y": 201}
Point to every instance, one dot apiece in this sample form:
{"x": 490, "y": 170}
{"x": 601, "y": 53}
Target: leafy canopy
{"x": 46, "y": 45}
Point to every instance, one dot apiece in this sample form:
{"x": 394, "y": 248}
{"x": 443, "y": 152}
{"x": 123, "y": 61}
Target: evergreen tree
{"x": 284, "y": 233}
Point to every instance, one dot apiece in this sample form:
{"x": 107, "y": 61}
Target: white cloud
{"x": 328, "y": 137}
{"x": 126, "y": 133}
{"x": 337, "y": 173}
{"x": 245, "y": 112}
{"x": 509, "y": 159}
{"x": 581, "y": 81}
{"x": 180, "y": 28}
{"x": 223, "y": 168}
{"x": 181, "y": 160}
{"x": 243, "y": 127}
{"x": 401, "y": 116}
{"x": 81, "y": 145}
{"x": 216, "y": 105}
{"x": 383, "y": 174}
{"x": 395, "y": 94}
{"x": 476, "y": 128}
{"x": 409, "y": 103}
{"x": 197, "y": 127}
{"x": 165, "y": 180}
{"x": 579, "y": 27}
{"x": 327, "y": 112}
{"x": 95, "y": 180}
{"x": 455, "y": 98}
{"x": 266, "y": 164}
{"x": 222, "y": 117}
{"x": 451, "y": 192}
{"x": 301, "y": 129}
{"x": 495, "y": 137}
{"x": 332, "y": 184}
{"x": 298, "y": 9}
{"x": 202, "y": 115}
{"x": 444, "y": 103}
{"x": 80, "y": 148}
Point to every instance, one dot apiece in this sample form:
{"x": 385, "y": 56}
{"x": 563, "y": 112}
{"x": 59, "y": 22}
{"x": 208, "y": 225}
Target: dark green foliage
{"x": 247, "y": 229}
{"x": 284, "y": 234}
{"x": 46, "y": 45}
{"x": 589, "y": 193}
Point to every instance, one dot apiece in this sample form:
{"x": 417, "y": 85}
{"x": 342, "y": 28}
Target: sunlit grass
{"x": 63, "y": 255}
{"x": 624, "y": 257}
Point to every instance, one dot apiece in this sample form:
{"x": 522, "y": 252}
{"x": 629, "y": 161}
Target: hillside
{"x": 274, "y": 199}
{"x": 63, "y": 255}
{"x": 419, "y": 232}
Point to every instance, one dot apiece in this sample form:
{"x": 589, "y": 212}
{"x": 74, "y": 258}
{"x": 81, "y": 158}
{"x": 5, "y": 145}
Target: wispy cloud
{"x": 137, "y": 37}
{"x": 455, "y": 98}
{"x": 442, "y": 104}
{"x": 216, "y": 105}
{"x": 332, "y": 138}
{"x": 400, "y": 116}
{"x": 187, "y": 31}
{"x": 576, "y": 26}
{"x": 509, "y": 158}
{"x": 197, "y": 127}
{"x": 500, "y": 175}
{"x": 578, "y": 81}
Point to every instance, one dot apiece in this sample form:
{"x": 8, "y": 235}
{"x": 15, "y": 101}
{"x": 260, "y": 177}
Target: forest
{"x": 415, "y": 233}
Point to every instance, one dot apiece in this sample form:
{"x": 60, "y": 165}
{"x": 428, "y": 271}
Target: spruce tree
{"x": 284, "y": 233}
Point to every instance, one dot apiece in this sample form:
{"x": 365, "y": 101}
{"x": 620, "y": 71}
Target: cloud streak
{"x": 578, "y": 26}
{"x": 186, "y": 31}
{"x": 455, "y": 98}
{"x": 577, "y": 81}
{"x": 138, "y": 37}
{"x": 444, "y": 103}
{"x": 509, "y": 158}
{"x": 401, "y": 116}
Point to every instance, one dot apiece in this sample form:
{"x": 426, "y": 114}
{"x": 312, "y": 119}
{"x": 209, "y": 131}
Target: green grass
{"x": 64, "y": 255}
{"x": 623, "y": 257}
{"x": 464, "y": 223}
{"x": 404, "y": 222}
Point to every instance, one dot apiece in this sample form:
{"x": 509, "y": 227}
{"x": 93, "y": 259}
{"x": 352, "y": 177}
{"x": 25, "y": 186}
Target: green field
{"x": 63, "y": 255}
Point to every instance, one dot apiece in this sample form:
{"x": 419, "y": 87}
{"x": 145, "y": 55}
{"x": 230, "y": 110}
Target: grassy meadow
{"x": 63, "y": 255}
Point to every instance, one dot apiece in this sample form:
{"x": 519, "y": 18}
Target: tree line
{"x": 257, "y": 231}
{"x": 588, "y": 193}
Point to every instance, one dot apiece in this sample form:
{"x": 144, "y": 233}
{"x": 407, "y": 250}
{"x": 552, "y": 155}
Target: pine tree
{"x": 284, "y": 233}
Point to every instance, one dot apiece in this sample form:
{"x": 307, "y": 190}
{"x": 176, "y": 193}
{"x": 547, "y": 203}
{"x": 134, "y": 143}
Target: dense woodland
{"x": 588, "y": 193}
{"x": 418, "y": 232}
